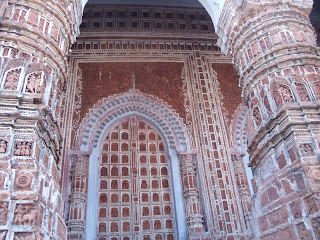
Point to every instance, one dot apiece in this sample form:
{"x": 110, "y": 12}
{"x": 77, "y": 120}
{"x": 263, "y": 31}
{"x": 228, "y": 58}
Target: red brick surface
{"x": 160, "y": 79}
{"x": 228, "y": 79}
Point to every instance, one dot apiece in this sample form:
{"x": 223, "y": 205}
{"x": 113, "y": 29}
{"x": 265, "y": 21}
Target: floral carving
{"x": 23, "y": 180}
{"x": 315, "y": 173}
{"x": 3, "y": 146}
{"x": 23, "y": 149}
{"x": 12, "y": 79}
{"x": 34, "y": 82}
{"x": 25, "y": 215}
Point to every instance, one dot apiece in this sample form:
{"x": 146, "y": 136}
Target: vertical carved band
{"x": 191, "y": 194}
{"x": 243, "y": 186}
{"x": 79, "y": 180}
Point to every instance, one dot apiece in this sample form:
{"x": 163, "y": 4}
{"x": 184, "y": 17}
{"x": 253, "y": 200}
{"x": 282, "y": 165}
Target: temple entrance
{"x": 135, "y": 200}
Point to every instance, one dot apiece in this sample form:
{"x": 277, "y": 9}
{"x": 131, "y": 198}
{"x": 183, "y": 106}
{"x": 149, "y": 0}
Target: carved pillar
{"x": 274, "y": 49}
{"x": 34, "y": 41}
{"x": 191, "y": 194}
{"x": 78, "y": 196}
{"x": 243, "y": 186}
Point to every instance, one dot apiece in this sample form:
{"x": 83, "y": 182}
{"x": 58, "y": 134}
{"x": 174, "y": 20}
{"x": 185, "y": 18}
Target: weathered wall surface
{"x": 35, "y": 37}
{"x": 189, "y": 75}
{"x": 228, "y": 79}
{"x": 160, "y": 79}
{"x": 275, "y": 50}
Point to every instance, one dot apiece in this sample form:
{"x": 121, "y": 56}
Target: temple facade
{"x": 159, "y": 121}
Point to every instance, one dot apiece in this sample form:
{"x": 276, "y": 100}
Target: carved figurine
{"x": 3, "y": 213}
{"x": 267, "y": 104}
{"x": 12, "y": 80}
{"x": 28, "y": 149}
{"x": 34, "y": 81}
{"x": 302, "y": 91}
{"x": 25, "y": 215}
{"x": 23, "y": 149}
{"x": 306, "y": 149}
{"x": 285, "y": 93}
{"x": 3, "y": 146}
{"x": 17, "y": 150}
{"x": 257, "y": 116}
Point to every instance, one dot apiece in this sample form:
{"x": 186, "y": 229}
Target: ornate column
{"x": 242, "y": 185}
{"x": 274, "y": 49}
{"x": 34, "y": 40}
{"x": 191, "y": 194}
{"x": 78, "y": 196}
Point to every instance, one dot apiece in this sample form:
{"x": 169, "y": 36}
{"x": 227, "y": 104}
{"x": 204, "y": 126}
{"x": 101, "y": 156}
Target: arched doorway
{"x": 171, "y": 140}
{"x": 135, "y": 193}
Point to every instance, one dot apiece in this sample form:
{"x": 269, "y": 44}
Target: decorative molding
{"x": 131, "y": 103}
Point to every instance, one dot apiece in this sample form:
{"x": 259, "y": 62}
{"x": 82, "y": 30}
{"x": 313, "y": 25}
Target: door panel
{"x": 135, "y": 201}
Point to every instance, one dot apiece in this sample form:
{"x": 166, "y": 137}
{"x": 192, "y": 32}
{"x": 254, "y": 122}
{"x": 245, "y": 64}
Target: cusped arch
{"x": 117, "y": 107}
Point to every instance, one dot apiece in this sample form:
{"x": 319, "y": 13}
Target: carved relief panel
{"x": 12, "y": 79}
{"x": 134, "y": 188}
{"x": 33, "y": 82}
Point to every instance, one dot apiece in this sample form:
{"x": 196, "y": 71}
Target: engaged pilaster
{"x": 78, "y": 196}
{"x": 243, "y": 186}
{"x": 191, "y": 194}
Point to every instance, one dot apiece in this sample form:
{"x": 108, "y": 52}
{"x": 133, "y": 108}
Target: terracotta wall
{"x": 160, "y": 79}
{"x": 228, "y": 79}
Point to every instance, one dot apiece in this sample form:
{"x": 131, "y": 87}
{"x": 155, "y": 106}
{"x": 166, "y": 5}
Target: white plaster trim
{"x": 154, "y": 110}
{"x": 175, "y": 183}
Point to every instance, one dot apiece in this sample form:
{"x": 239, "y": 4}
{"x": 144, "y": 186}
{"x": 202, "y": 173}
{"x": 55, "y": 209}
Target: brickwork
{"x": 279, "y": 71}
{"x": 107, "y": 79}
{"x": 164, "y": 65}
{"x": 134, "y": 194}
{"x": 228, "y": 77}
{"x": 145, "y": 19}
{"x": 185, "y": 74}
{"x": 35, "y": 37}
